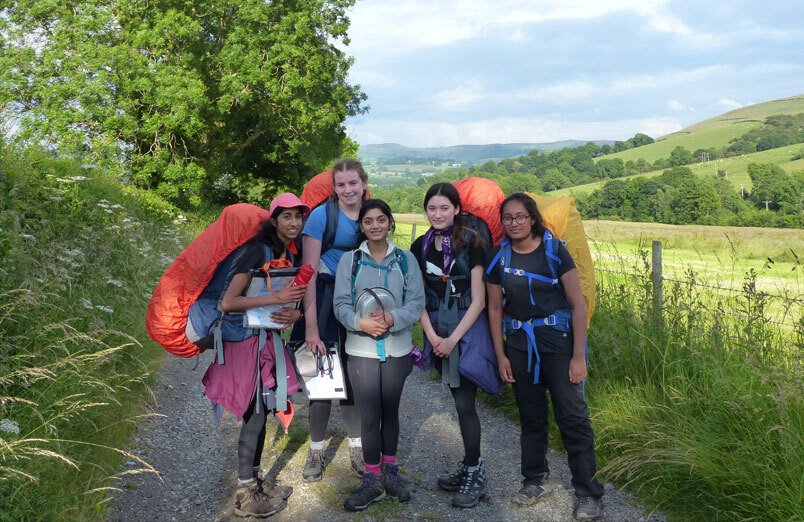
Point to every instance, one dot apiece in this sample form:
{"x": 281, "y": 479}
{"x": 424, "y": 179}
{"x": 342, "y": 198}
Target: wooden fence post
{"x": 412, "y": 233}
{"x": 656, "y": 277}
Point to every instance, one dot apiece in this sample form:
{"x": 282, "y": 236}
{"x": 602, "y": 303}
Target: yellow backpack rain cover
{"x": 562, "y": 218}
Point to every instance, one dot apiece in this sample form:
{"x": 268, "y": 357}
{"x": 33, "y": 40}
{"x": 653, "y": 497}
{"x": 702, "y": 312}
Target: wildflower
{"x": 65, "y": 180}
{"x": 104, "y": 308}
{"x": 115, "y": 282}
{"x": 117, "y": 205}
{"x": 78, "y": 178}
{"x": 87, "y": 303}
{"x": 27, "y": 237}
{"x": 9, "y": 426}
{"x": 101, "y": 204}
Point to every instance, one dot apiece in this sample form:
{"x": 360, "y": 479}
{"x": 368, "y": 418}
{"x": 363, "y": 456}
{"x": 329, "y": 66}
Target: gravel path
{"x": 197, "y": 463}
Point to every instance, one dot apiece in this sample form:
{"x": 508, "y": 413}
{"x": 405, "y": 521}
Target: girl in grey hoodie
{"x": 378, "y": 346}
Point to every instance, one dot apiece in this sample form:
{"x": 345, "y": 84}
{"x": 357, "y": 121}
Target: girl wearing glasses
{"x": 456, "y": 330}
{"x": 545, "y": 321}
{"x": 378, "y": 345}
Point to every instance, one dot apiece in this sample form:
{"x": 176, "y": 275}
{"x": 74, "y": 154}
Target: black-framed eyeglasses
{"x": 519, "y": 218}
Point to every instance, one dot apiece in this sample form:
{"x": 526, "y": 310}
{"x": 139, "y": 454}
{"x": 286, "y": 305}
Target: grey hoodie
{"x": 399, "y": 339}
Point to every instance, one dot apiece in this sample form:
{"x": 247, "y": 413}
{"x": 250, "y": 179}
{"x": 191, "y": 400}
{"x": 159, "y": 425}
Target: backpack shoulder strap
{"x": 551, "y": 251}
{"x": 357, "y": 257}
{"x": 331, "y": 227}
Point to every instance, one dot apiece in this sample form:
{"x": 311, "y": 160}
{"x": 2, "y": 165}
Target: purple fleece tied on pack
{"x": 421, "y": 360}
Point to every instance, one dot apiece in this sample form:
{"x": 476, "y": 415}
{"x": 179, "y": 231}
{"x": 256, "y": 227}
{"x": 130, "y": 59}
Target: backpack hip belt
{"x": 560, "y": 320}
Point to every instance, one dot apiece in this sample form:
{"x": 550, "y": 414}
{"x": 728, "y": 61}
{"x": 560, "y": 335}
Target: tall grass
{"x": 79, "y": 255}
{"x": 699, "y": 411}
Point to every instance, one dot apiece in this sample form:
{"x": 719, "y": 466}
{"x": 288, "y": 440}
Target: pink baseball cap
{"x": 287, "y": 200}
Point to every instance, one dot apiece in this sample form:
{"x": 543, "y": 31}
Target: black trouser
{"x": 571, "y": 414}
{"x": 468, "y": 420}
{"x": 251, "y": 442}
{"x": 378, "y": 390}
{"x": 330, "y": 330}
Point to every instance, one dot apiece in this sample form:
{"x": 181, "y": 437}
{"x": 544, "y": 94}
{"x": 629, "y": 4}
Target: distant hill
{"x": 715, "y": 132}
{"x": 465, "y": 154}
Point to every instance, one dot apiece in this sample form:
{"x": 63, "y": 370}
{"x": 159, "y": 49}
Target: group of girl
{"x": 443, "y": 283}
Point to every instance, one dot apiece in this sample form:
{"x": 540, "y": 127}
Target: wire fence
{"x": 785, "y": 310}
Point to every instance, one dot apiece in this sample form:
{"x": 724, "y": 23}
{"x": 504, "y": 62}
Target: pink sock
{"x": 372, "y": 468}
{"x": 389, "y": 459}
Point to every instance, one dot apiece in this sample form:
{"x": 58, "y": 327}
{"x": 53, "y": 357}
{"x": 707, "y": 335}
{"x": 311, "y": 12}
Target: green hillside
{"x": 714, "y": 132}
{"x": 736, "y": 169}
{"x": 469, "y": 154}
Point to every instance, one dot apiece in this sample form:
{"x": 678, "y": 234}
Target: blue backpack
{"x": 207, "y": 325}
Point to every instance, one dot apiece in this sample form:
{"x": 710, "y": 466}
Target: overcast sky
{"x": 448, "y": 72}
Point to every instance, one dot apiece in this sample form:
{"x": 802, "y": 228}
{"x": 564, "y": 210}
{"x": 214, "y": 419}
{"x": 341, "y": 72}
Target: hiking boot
{"x": 250, "y": 501}
{"x": 587, "y": 508}
{"x": 370, "y": 490}
{"x": 356, "y": 459}
{"x": 530, "y": 494}
{"x": 314, "y": 468}
{"x": 394, "y": 482}
{"x": 472, "y": 489}
{"x": 273, "y": 490}
{"x": 452, "y": 482}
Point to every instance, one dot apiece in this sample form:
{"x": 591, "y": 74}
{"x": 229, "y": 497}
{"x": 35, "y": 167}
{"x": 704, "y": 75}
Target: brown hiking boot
{"x": 273, "y": 490}
{"x": 250, "y": 501}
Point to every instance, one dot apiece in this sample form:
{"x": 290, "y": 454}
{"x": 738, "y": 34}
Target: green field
{"x": 715, "y": 132}
{"x": 720, "y": 256}
{"x": 715, "y": 137}
{"x": 736, "y": 169}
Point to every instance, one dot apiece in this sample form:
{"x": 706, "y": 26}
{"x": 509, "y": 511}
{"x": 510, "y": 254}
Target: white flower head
{"x": 104, "y": 308}
{"x": 86, "y": 303}
{"x": 9, "y": 426}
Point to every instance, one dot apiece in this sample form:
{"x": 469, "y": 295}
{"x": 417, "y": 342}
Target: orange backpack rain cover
{"x": 483, "y": 198}
{"x": 191, "y": 271}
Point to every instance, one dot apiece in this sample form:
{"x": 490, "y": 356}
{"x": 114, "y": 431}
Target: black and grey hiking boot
{"x": 314, "y": 468}
{"x": 272, "y": 489}
{"x": 531, "y": 494}
{"x": 394, "y": 482}
{"x": 370, "y": 490}
{"x": 452, "y": 482}
{"x": 250, "y": 501}
{"x": 356, "y": 459}
{"x": 472, "y": 489}
{"x": 587, "y": 508}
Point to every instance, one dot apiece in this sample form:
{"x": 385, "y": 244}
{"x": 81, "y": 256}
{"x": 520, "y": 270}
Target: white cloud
{"x": 383, "y": 28}
{"x": 462, "y": 97}
{"x": 427, "y": 133}
{"x": 474, "y": 93}
{"x": 677, "y": 106}
{"x": 728, "y": 104}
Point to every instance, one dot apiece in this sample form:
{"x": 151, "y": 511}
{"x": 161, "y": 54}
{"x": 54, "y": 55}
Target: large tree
{"x": 195, "y": 100}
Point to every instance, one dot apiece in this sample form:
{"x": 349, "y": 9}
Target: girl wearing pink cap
{"x": 233, "y": 386}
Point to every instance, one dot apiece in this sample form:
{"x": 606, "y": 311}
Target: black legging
{"x": 378, "y": 389}
{"x": 468, "y": 420}
{"x": 251, "y": 442}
